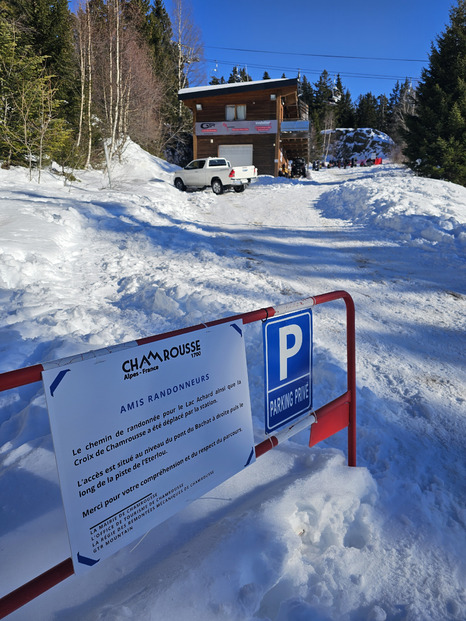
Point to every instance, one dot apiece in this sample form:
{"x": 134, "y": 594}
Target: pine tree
{"x": 323, "y": 114}
{"x": 159, "y": 35}
{"x": 234, "y": 76}
{"x": 383, "y": 114}
{"x": 401, "y": 104}
{"x": 322, "y": 95}
{"x": 9, "y": 86}
{"x": 216, "y": 80}
{"x": 436, "y": 136}
{"x": 47, "y": 27}
{"x": 239, "y": 75}
{"x": 307, "y": 92}
{"x": 366, "y": 111}
{"x": 316, "y": 138}
{"x": 174, "y": 120}
{"x": 244, "y": 75}
{"x": 160, "y": 38}
{"x": 31, "y": 131}
{"x": 345, "y": 114}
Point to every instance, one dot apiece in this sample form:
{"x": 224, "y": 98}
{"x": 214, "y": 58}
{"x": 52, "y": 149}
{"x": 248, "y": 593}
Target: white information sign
{"x": 142, "y": 432}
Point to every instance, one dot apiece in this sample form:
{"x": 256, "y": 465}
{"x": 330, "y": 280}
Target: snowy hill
{"x": 359, "y": 143}
{"x": 297, "y": 535}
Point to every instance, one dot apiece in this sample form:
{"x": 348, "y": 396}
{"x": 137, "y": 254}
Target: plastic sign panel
{"x": 140, "y": 433}
{"x": 230, "y": 128}
{"x": 288, "y": 366}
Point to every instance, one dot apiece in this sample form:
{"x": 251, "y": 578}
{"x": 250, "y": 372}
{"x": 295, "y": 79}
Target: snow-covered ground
{"x": 298, "y": 535}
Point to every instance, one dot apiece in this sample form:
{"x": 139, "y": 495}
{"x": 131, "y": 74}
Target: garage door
{"x": 238, "y": 154}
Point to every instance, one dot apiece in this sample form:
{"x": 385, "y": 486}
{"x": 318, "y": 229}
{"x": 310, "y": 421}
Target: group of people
{"x": 346, "y": 163}
{"x": 297, "y": 167}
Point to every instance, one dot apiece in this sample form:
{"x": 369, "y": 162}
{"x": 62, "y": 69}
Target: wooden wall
{"x": 259, "y": 107}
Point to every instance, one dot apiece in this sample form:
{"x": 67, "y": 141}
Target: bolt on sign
{"x": 141, "y": 432}
{"x": 288, "y": 367}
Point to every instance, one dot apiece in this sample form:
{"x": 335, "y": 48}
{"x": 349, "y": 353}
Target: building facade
{"x": 263, "y": 123}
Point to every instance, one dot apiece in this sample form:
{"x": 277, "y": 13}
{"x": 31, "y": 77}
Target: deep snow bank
{"x": 418, "y": 210}
{"x": 362, "y": 143}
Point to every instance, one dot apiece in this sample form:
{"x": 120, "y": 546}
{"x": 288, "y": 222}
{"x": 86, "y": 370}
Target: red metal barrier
{"x": 324, "y": 422}
{"x": 341, "y": 412}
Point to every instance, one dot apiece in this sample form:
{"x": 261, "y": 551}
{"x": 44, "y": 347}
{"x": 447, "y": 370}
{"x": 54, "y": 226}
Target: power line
{"x": 304, "y": 71}
{"x": 238, "y": 49}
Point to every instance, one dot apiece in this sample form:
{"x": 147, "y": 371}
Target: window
{"x": 230, "y": 113}
{"x": 235, "y": 112}
{"x": 195, "y": 165}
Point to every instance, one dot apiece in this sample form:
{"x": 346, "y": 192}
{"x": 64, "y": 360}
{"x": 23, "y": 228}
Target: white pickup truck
{"x": 215, "y": 172}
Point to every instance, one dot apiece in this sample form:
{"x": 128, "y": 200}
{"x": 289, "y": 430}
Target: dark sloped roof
{"x": 212, "y": 90}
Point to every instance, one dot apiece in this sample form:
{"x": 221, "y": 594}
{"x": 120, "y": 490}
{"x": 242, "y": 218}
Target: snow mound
{"x": 361, "y": 143}
{"x": 417, "y": 212}
{"x": 135, "y": 165}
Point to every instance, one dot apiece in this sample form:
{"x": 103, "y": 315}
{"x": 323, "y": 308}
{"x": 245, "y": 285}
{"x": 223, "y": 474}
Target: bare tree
{"x": 84, "y": 45}
{"x": 142, "y": 94}
{"x": 82, "y": 69}
{"x": 115, "y": 77}
{"x": 120, "y": 94}
{"x": 104, "y": 69}
{"x": 89, "y": 88}
{"x": 329, "y": 126}
{"x": 189, "y": 46}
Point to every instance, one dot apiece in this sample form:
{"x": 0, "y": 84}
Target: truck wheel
{"x": 239, "y": 188}
{"x": 179, "y": 185}
{"x": 217, "y": 186}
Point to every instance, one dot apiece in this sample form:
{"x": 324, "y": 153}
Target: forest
{"x": 74, "y": 86}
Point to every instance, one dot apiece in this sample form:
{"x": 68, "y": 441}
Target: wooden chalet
{"x": 263, "y": 123}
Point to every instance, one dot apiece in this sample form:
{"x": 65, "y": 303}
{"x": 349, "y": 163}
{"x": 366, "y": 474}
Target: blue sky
{"x": 287, "y": 36}
{"x": 377, "y": 29}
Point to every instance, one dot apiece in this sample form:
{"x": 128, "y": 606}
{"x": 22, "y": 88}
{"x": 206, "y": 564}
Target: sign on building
{"x": 236, "y": 128}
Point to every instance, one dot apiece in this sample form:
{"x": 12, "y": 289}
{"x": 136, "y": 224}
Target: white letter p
{"x": 286, "y": 353}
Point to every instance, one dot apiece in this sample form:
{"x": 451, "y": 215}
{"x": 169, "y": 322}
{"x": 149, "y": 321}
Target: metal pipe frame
{"x": 330, "y": 418}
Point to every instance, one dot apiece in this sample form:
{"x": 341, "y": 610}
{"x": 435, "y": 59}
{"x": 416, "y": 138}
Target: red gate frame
{"x": 325, "y": 421}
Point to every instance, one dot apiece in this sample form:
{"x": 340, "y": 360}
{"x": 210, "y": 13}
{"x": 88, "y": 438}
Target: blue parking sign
{"x": 288, "y": 368}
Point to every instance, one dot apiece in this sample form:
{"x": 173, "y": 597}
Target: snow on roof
{"x": 185, "y": 93}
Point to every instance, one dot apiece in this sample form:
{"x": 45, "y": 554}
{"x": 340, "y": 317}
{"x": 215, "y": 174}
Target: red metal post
{"x": 35, "y": 587}
{"x": 265, "y": 446}
{"x": 20, "y": 377}
{"x": 350, "y": 361}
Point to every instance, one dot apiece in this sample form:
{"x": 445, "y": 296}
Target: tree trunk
{"x": 89, "y": 87}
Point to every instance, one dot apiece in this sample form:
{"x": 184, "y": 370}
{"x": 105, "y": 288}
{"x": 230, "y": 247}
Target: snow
{"x": 362, "y": 144}
{"x": 192, "y": 90}
{"x": 298, "y": 535}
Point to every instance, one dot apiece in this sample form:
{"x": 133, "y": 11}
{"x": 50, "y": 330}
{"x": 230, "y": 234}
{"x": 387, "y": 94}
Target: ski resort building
{"x": 263, "y": 123}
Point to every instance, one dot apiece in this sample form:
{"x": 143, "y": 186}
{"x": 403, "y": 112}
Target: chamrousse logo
{"x": 207, "y": 125}
{"x": 150, "y": 361}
